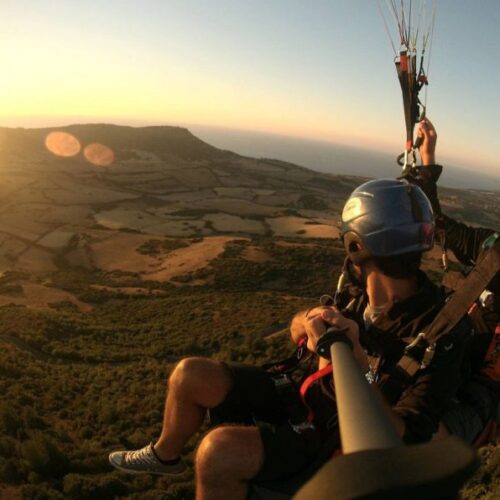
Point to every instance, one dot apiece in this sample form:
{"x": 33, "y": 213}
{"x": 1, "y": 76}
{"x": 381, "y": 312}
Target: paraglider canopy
{"x": 414, "y": 27}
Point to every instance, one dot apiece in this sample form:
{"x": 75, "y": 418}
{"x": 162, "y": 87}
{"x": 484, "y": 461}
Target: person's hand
{"x": 301, "y": 323}
{"x": 428, "y": 134}
{"x": 315, "y": 327}
{"x": 314, "y": 323}
{"x": 333, "y": 317}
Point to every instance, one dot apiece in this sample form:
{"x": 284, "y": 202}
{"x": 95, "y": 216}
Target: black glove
{"x": 426, "y": 178}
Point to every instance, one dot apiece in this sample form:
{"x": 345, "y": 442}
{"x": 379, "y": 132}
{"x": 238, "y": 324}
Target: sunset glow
{"x": 293, "y": 71}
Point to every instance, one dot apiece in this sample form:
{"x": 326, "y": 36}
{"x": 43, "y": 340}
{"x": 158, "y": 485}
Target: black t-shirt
{"x": 422, "y": 404}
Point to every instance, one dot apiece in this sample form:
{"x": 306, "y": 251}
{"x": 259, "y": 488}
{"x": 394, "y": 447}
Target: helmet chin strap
{"x": 355, "y": 272}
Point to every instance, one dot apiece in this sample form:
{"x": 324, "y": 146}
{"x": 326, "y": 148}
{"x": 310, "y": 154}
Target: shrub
{"x": 9, "y": 420}
{"x": 43, "y": 456}
{"x": 81, "y": 487}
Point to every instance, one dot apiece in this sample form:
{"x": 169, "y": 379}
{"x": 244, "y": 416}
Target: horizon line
{"x": 142, "y": 123}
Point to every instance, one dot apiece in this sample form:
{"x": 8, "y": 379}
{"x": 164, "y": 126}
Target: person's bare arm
{"x": 463, "y": 240}
{"x": 428, "y": 134}
{"x": 297, "y": 329}
{"x": 301, "y": 323}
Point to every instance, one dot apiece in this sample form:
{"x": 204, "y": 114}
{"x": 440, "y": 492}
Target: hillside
{"x": 143, "y": 246}
{"x": 163, "y": 182}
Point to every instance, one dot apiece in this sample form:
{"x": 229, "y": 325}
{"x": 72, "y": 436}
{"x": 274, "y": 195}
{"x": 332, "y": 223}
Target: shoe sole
{"x": 133, "y": 471}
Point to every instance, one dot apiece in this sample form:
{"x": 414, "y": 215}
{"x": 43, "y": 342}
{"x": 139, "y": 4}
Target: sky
{"x": 319, "y": 69}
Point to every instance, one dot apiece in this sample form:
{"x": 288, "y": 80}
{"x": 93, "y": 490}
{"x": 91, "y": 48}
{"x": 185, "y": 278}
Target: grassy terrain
{"x": 78, "y": 385}
{"x": 94, "y": 382}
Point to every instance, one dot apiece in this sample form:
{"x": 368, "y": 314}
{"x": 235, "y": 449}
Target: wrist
{"x": 428, "y": 159}
{"x": 360, "y": 355}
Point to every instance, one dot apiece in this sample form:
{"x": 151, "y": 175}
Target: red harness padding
{"x": 492, "y": 358}
{"x": 326, "y": 370}
{"x": 488, "y": 435}
{"x": 492, "y": 370}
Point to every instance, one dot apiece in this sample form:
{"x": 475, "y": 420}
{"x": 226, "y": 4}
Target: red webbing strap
{"x": 492, "y": 357}
{"x": 472, "y": 308}
{"x": 488, "y": 435}
{"x": 301, "y": 348}
{"x": 326, "y": 370}
{"x": 290, "y": 364}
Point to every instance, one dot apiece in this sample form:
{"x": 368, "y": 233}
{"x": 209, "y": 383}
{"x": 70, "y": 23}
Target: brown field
{"x": 189, "y": 197}
{"x": 195, "y": 177}
{"x": 295, "y": 226}
{"x": 56, "y": 239}
{"x": 277, "y": 200}
{"x": 190, "y": 259}
{"x": 226, "y": 223}
{"x": 15, "y": 223}
{"x": 255, "y": 254}
{"x": 180, "y": 228}
{"x": 119, "y": 252}
{"x": 124, "y": 218}
{"x": 35, "y": 260}
{"x": 236, "y": 206}
{"x": 235, "y": 180}
{"x": 35, "y": 296}
{"x": 75, "y": 194}
{"x": 240, "y": 193}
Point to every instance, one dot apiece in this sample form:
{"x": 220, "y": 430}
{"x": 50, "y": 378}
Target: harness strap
{"x": 477, "y": 280}
{"x": 326, "y": 370}
{"x": 420, "y": 352}
{"x": 492, "y": 357}
{"x": 289, "y": 364}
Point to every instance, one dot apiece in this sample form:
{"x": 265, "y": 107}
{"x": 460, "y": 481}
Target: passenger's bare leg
{"x": 195, "y": 385}
{"x": 227, "y": 458}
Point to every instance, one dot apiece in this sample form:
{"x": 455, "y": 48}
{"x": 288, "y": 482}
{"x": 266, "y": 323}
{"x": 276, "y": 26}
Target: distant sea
{"x": 331, "y": 158}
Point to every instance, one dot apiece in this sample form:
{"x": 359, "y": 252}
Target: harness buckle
{"x": 302, "y": 426}
{"x": 417, "y": 342}
{"x": 428, "y": 355}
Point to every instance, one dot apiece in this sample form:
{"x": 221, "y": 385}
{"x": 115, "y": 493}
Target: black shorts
{"x": 290, "y": 457}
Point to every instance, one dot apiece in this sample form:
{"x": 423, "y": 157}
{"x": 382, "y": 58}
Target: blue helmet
{"x": 386, "y": 217}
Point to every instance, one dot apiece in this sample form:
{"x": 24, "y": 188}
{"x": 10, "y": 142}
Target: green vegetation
{"x": 157, "y": 247}
{"x": 302, "y": 270}
{"x": 79, "y": 385}
{"x": 193, "y": 212}
{"x": 311, "y": 202}
{"x": 76, "y": 385}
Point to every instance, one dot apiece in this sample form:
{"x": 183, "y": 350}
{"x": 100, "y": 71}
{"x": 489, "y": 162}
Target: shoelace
{"x": 142, "y": 456}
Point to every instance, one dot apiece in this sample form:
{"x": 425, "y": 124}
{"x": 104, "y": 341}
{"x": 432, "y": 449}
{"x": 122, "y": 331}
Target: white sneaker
{"x": 145, "y": 461}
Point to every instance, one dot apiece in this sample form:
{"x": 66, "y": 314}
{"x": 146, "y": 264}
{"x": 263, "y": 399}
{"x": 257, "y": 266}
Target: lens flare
{"x": 62, "y": 144}
{"x": 99, "y": 155}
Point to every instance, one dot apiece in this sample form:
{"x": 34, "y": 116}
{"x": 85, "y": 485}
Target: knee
{"x": 185, "y": 371}
{"x": 212, "y": 454}
{"x": 195, "y": 374}
{"x": 229, "y": 452}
